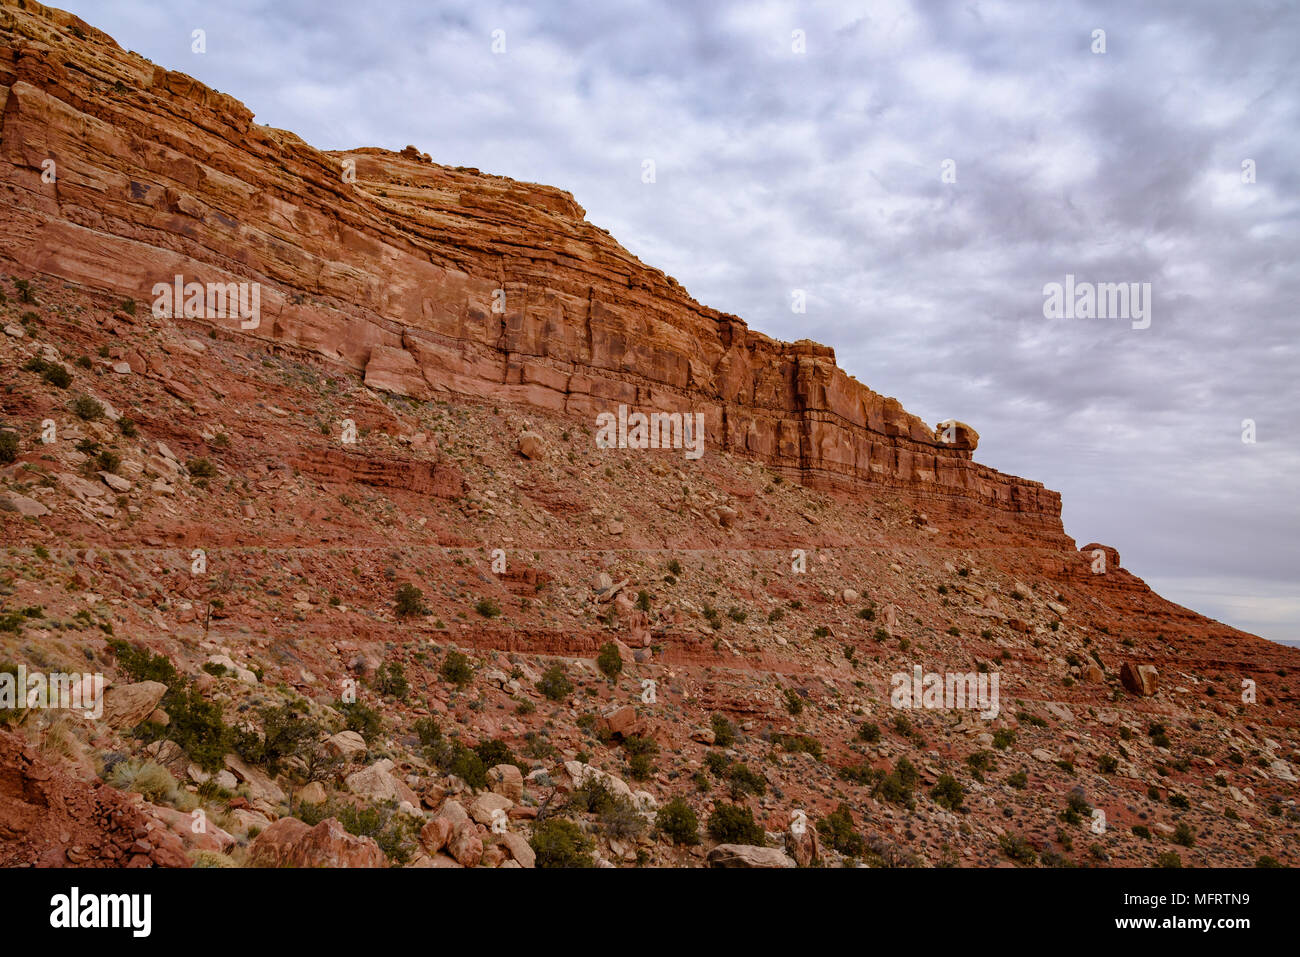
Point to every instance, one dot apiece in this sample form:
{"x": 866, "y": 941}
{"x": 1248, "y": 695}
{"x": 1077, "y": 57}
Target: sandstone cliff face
{"x": 426, "y": 278}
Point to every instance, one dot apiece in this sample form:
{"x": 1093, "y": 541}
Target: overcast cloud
{"x": 778, "y": 170}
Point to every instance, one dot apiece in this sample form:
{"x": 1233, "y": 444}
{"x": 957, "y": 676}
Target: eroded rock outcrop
{"x": 424, "y": 278}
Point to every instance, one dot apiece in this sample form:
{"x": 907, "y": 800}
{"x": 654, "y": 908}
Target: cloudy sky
{"x": 804, "y": 146}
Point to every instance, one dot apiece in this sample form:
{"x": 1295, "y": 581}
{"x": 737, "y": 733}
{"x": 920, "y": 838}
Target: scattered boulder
{"x": 747, "y": 855}
{"x": 507, "y": 780}
{"x": 1141, "y": 680}
{"x": 125, "y": 706}
{"x": 291, "y": 843}
{"x": 532, "y": 446}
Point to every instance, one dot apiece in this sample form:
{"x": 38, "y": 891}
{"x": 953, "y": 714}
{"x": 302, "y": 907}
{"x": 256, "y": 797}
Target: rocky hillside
{"x": 368, "y": 591}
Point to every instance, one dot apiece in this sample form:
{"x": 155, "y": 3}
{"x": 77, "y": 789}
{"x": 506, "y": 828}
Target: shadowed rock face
{"x": 426, "y": 278}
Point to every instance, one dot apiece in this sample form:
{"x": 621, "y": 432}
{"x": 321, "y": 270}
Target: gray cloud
{"x": 821, "y": 171}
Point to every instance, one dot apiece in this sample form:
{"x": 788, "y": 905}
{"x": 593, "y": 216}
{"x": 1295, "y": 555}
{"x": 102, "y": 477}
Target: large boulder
{"x": 532, "y": 446}
{"x": 622, "y": 722}
{"x": 291, "y": 843}
{"x": 125, "y": 706}
{"x": 1102, "y": 558}
{"x": 260, "y": 786}
{"x": 1141, "y": 680}
{"x": 507, "y": 780}
{"x": 747, "y": 855}
{"x": 488, "y": 807}
{"x": 579, "y": 774}
{"x": 345, "y": 744}
{"x": 378, "y": 784}
{"x": 957, "y": 435}
{"x": 465, "y": 845}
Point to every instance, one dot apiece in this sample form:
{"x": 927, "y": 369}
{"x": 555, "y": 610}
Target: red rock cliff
{"x": 426, "y": 277}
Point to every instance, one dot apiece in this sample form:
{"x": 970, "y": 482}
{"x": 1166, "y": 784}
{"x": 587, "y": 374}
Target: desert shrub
{"x": 1017, "y": 848}
{"x": 488, "y": 608}
{"x": 676, "y": 820}
{"x": 735, "y": 824}
{"x": 8, "y": 447}
{"x": 799, "y": 743}
{"x": 948, "y": 792}
{"x": 1019, "y": 780}
{"x": 494, "y": 751}
{"x": 793, "y": 703}
{"x": 200, "y": 468}
{"x": 456, "y": 669}
{"x": 640, "y": 760}
{"x": 869, "y": 732}
{"x": 1003, "y": 738}
{"x": 146, "y": 778}
{"x": 559, "y": 842}
{"x": 609, "y": 661}
{"x": 1169, "y": 859}
{"x": 717, "y": 763}
{"x": 743, "y": 780}
{"x": 410, "y": 601}
{"x": 724, "y": 732}
{"x": 896, "y": 786}
{"x": 390, "y": 680}
{"x": 838, "y": 831}
{"x": 285, "y": 732}
{"x": 622, "y": 821}
{"x": 1184, "y": 834}
{"x": 357, "y": 717}
{"x": 555, "y": 683}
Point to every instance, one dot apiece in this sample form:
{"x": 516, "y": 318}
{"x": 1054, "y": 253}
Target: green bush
{"x": 8, "y": 447}
{"x": 390, "y": 680}
{"x": 487, "y": 608}
{"x": 793, "y": 703}
{"x": 676, "y": 820}
{"x": 609, "y": 661}
{"x": 724, "y": 732}
{"x": 200, "y": 468}
{"x": 1017, "y": 848}
{"x": 837, "y": 831}
{"x": 1169, "y": 859}
{"x": 285, "y": 733}
{"x": 555, "y": 683}
{"x": 456, "y": 669}
{"x": 1184, "y": 834}
{"x": 735, "y": 824}
{"x": 87, "y": 409}
{"x": 948, "y": 792}
{"x": 869, "y": 732}
{"x": 559, "y": 842}
{"x": 410, "y": 601}
{"x": 743, "y": 780}
{"x": 358, "y": 717}
{"x": 896, "y": 786}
